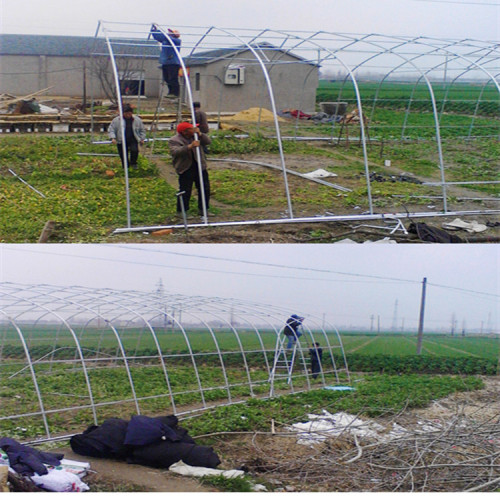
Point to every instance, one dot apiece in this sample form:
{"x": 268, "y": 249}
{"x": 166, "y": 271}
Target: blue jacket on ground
{"x": 168, "y": 55}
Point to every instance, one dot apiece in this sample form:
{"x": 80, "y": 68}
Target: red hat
{"x": 184, "y": 126}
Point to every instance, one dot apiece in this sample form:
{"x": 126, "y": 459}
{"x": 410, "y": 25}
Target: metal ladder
{"x": 283, "y": 363}
{"x": 158, "y": 111}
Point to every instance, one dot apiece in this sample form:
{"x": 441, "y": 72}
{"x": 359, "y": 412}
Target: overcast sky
{"x": 346, "y": 283}
{"x": 477, "y": 19}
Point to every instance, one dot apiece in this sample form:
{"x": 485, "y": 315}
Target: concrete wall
{"x": 23, "y": 75}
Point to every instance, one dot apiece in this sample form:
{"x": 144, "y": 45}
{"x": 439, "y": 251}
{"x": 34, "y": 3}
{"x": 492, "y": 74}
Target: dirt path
{"x": 133, "y": 477}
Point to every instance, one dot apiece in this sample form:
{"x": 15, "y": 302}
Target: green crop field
{"x": 42, "y": 340}
{"x": 487, "y": 347}
{"x": 460, "y": 98}
{"x": 85, "y": 196}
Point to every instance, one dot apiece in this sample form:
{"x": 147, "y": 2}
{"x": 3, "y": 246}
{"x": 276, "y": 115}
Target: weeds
{"x": 236, "y": 484}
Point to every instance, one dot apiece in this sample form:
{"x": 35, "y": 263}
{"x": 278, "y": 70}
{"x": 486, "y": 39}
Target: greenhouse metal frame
{"x": 73, "y": 356}
{"x": 428, "y": 61}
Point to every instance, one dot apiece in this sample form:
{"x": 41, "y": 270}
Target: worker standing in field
{"x": 169, "y": 59}
{"x": 292, "y": 329}
{"x": 201, "y": 117}
{"x": 201, "y": 121}
{"x": 183, "y": 147}
{"x": 135, "y": 135}
{"x": 316, "y": 353}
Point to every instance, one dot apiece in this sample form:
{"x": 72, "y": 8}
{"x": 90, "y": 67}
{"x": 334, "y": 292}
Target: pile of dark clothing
{"x": 151, "y": 441}
{"x": 27, "y": 461}
{"x": 432, "y": 234}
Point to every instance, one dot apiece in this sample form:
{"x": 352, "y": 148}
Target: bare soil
{"x": 114, "y": 475}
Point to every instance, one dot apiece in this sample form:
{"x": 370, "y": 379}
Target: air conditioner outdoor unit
{"x": 235, "y": 75}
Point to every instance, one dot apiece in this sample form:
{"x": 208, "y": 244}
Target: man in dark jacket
{"x": 292, "y": 329}
{"x": 316, "y": 353}
{"x": 169, "y": 58}
{"x": 183, "y": 148}
{"x": 201, "y": 117}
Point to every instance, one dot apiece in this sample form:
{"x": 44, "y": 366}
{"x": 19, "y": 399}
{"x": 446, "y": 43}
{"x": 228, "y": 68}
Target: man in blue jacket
{"x": 292, "y": 329}
{"x": 169, "y": 60}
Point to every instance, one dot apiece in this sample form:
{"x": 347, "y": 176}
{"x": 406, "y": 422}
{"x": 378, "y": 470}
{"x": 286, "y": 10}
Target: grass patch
{"x": 235, "y": 484}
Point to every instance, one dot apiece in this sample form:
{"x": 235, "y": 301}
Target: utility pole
{"x": 372, "y": 317}
{"x": 160, "y": 292}
{"x": 395, "y": 317}
{"x": 378, "y": 323}
{"x": 421, "y": 318}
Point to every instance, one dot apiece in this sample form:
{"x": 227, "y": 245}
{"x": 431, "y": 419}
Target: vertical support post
{"x": 84, "y": 103}
{"x": 421, "y": 318}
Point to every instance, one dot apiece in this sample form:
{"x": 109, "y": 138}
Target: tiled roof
{"x": 84, "y": 46}
{"x": 209, "y": 56}
{"x": 71, "y": 46}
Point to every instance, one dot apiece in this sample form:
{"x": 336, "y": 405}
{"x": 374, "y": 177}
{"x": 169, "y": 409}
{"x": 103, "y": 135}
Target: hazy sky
{"x": 478, "y": 19}
{"x": 347, "y": 283}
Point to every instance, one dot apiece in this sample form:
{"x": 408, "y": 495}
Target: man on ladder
{"x": 293, "y": 329}
{"x": 169, "y": 59}
{"x": 284, "y": 361}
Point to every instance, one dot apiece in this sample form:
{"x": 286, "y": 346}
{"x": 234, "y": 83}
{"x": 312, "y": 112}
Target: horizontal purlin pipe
{"x": 330, "y": 218}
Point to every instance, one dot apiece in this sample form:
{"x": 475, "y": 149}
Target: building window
{"x": 132, "y": 87}
{"x": 132, "y": 83}
{"x": 197, "y": 81}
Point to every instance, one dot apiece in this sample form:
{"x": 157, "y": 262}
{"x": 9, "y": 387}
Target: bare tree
{"x": 102, "y": 70}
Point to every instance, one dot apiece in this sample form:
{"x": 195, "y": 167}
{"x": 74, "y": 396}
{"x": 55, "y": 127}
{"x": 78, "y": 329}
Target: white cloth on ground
{"x": 60, "y": 480}
{"x": 188, "y": 470}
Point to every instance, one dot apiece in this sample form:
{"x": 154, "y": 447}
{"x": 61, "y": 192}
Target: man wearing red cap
{"x": 169, "y": 60}
{"x": 183, "y": 148}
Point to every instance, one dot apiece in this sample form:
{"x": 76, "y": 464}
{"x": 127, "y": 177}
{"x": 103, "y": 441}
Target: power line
{"x": 190, "y": 268}
{"x": 267, "y": 264}
{"x": 475, "y": 292}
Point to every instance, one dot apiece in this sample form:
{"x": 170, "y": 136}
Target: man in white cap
{"x": 169, "y": 60}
